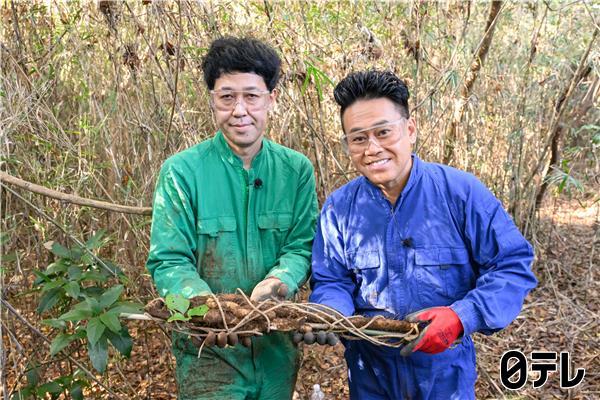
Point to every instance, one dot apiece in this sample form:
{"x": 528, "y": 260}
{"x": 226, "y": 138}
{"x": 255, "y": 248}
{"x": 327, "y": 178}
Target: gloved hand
{"x": 268, "y": 288}
{"x": 443, "y": 329}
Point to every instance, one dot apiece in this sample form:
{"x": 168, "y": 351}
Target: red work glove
{"x": 443, "y": 329}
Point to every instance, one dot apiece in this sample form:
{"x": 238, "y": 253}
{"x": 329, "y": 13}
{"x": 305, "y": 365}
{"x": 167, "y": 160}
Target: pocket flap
{"x": 441, "y": 256}
{"x": 212, "y": 226}
{"x": 366, "y": 259}
{"x": 281, "y": 221}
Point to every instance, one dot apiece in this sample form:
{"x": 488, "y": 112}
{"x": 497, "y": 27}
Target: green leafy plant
{"x": 71, "y": 386}
{"x": 79, "y": 285}
{"x": 180, "y": 309}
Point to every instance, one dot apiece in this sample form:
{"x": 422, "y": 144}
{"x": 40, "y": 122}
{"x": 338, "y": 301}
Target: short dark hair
{"x": 365, "y": 85}
{"x": 231, "y": 54}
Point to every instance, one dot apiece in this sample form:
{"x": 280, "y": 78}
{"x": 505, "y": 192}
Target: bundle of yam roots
{"x": 229, "y": 319}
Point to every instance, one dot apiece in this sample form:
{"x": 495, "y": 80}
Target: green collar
{"x": 228, "y": 155}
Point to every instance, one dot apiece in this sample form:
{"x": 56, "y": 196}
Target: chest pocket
{"x": 216, "y": 247}
{"x": 443, "y": 274}
{"x": 370, "y": 279}
{"x": 273, "y": 229}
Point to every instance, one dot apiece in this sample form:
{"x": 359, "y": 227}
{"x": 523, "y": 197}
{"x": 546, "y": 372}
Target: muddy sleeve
{"x": 503, "y": 257}
{"x": 173, "y": 239}
{"x": 331, "y": 282}
{"x": 293, "y": 265}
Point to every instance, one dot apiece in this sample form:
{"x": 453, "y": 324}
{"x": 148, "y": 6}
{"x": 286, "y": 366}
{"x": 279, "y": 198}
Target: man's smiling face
{"x": 243, "y": 126}
{"x": 387, "y": 166}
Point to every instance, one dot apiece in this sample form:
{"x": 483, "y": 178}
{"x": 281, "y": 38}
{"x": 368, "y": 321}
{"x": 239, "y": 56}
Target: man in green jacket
{"x": 235, "y": 211}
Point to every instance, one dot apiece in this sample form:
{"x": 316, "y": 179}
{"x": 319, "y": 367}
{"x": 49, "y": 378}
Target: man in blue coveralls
{"x": 417, "y": 241}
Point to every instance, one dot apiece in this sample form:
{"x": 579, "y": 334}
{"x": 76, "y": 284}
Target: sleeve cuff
{"x": 188, "y": 290}
{"x": 468, "y": 315}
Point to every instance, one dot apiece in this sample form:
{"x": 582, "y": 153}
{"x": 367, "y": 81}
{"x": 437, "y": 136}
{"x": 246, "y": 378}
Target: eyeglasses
{"x": 227, "y": 100}
{"x": 384, "y": 134}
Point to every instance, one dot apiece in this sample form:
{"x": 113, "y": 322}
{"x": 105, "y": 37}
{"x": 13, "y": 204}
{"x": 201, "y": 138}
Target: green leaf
{"x": 77, "y": 253}
{"x": 99, "y": 354}
{"x": 40, "y": 277}
{"x": 122, "y": 341}
{"x": 53, "y": 283}
{"x": 76, "y": 391}
{"x": 111, "y": 321}
{"x": 23, "y": 394}
{"x": 110, "y": 296}
{"x": 55, "y": 323}
{"x": 126, "y": 307}
{"x": 33, "y": 374}
{"x": 95, "y": 241}
{"x": 94, "y": 328}
{"x": 76, "y": 315}
{"x": 112, "y": 267}
{"x": 178, "y": 317}
{"x": 60, "y": 250}
{"x": 87, "y": 259}
{"x": 176, "y": 302}
{"x": 74, "y": 272}
{"x": 57, "y": 267}
{"x": 93, "y": 276}
{"x": 72, "y": 289}
{"x": 50, "y": 387}
{"x": 60, "y": 342}
{"x": 94, "y": 305}
{"x": 199, "y": 311}
{"x": 49, "y": 299}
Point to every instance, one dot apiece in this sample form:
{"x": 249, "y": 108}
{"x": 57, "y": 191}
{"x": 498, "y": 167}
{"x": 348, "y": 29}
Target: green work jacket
{"x": 217, "y": 227}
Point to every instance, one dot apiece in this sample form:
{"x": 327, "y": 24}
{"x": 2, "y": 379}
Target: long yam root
{"x": 233, "y": 318}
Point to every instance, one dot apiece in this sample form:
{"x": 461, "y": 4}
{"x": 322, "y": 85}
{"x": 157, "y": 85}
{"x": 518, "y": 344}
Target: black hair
{"x": 231, "y": 54}
{"x": 365, "y": 85}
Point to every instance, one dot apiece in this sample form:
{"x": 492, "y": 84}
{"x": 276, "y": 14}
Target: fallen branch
{"x": 70, "y": 198}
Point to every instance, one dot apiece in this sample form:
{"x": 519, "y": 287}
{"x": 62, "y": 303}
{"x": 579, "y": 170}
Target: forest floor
{"x": 561, "y": 314}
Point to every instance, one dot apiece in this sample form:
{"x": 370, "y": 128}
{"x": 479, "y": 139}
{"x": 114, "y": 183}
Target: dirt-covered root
{"x": 227, "y": 310}
{"x": 382, "y": 324}
{"x": 157, "y": 309}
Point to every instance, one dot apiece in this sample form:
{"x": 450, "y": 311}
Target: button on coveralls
{"x": 446, "y": 242}
{"x": 214, "y": 230}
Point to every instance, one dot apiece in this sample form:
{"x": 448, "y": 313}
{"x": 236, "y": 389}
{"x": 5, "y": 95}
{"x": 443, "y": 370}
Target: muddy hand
{"x": 270, "y": 288}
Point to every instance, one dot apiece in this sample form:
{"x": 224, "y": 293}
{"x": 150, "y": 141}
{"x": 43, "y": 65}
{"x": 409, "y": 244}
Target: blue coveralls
{"x": 446, "y": 242}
